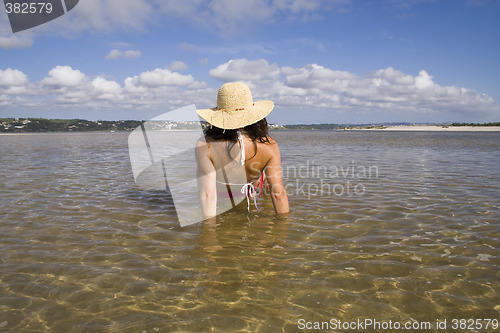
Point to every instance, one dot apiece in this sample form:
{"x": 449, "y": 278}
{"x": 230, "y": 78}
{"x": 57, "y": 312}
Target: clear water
{"x": 400, "y": 226}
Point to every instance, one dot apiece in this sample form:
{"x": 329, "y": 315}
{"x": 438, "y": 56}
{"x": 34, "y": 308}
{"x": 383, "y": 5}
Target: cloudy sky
{"x": 320, "y": 61}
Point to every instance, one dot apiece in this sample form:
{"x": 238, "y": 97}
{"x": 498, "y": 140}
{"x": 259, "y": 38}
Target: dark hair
{"x": 258, "y": 131}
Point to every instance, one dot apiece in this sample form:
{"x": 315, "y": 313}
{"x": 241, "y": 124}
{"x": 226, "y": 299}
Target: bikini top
{"x": 247, "y": 189}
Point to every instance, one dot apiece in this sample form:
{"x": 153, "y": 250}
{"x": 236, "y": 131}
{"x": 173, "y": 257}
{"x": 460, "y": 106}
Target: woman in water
{"x": 237, "y": 153}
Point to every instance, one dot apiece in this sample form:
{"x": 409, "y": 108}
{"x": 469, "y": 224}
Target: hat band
{"x": 240, "y": 109}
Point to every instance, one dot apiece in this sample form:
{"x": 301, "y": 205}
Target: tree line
{"x": 64, "y": 125}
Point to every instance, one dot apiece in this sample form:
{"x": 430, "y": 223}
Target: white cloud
{"x": 225, "y": 17}
{"x": 318, "y": 77}
{"x": 65, "y": 86}
{"x": 105, "y": 16}
{"x": 107, "y": 90}
{"x": 13, "y": 84}
{"x": 114, "y": 54}
{"x": 65, "y": 76}
{"x": 4, "y": 100}
{"x": 12, "y": 77}
{"x": 15, "y": 42}
{"x": 118, "y": 54}
{"x": 129, "y": 54}
{"x": 246, "y": 70}
{"x": 309, "y": 88}
{"x": 177, "y": 66}
{"x": 424, "y": 81}
{"x": 390, "y": 76}
{"x": 228, "y": 17}
{"x": 163, "y": 77}
{"x": 383, "y": 91}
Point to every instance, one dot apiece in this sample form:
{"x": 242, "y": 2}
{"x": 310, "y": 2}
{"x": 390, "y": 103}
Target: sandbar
{"x": 432, "y": 128}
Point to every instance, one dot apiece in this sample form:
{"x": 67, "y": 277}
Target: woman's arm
{"x": 206, "y": 180}
{"x": 274, "y": 178}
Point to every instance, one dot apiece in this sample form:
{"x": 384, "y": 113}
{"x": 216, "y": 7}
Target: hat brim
{"x": 236, "y": 119}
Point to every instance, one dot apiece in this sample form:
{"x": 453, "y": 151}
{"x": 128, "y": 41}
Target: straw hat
{"x": 235, "y": 107}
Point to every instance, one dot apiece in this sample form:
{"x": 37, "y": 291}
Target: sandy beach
{"x": 434, "y": 128}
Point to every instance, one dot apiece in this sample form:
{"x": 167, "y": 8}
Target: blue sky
{"x": 320, "y": 61}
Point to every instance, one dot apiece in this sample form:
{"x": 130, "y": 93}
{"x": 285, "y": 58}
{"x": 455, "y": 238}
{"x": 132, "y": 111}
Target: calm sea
{"x": 387, "y": 227}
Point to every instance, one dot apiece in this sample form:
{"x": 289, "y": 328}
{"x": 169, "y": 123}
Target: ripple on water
{"x": 83, "y": 249}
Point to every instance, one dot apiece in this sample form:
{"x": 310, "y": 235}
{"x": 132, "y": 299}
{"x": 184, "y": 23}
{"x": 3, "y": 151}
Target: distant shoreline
{"x": 40, "y": 125}
{"x": 403, "y": 128}
{"x": 429, "y": 128}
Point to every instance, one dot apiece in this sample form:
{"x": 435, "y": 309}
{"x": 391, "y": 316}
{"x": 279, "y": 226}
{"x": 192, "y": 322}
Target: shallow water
{"x": 388, "y": 226}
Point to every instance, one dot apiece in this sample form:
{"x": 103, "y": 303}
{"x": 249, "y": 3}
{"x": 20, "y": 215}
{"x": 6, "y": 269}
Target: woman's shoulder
{"x": 202, "y": 141}
{"x": 271, "y": 140}
{"x": 268, "y": 148}
{"x": 267, "y": 140}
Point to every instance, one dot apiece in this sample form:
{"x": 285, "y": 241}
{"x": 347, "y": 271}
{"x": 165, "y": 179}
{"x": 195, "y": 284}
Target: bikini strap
{"x": 261, "y": 184}
{"x": 249, "y": 191}
{"x": 242, "y": 145}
